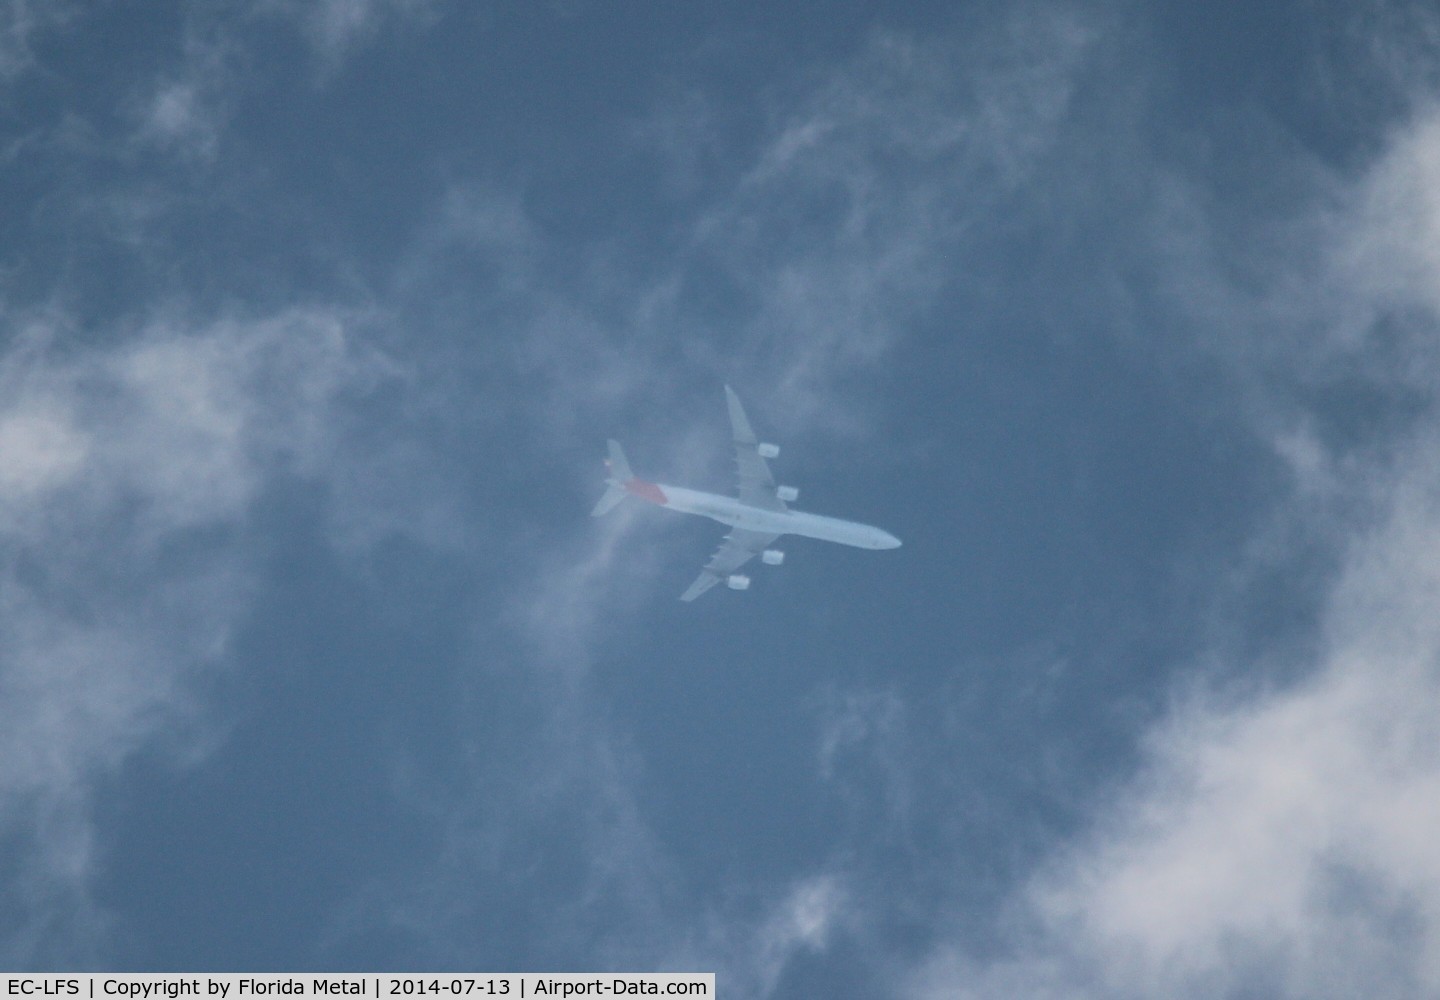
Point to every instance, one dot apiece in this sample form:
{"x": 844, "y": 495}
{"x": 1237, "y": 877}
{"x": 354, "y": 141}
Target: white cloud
{"x": 117, "y": 458}
{"x": 752, "y": 940}
{"x": 1397, "y": 247}
{"x": 802, "y": 920}
{"x": 41, "y": 450}
{"x": 1279, "y": 840}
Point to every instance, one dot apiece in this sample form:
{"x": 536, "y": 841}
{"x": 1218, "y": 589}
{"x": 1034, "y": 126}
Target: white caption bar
{"x": 378, "y": 986}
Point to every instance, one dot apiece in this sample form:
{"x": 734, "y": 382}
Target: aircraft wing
{"x": 757, "y": 486}
{"x": 739, "y": 547}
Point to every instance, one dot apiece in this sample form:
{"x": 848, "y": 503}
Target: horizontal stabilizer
{"x": 613, "y": 495}
{"x": 620, "y": 474}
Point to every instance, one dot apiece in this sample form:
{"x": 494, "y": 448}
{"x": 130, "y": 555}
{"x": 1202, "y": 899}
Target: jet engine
{"x": 768, "y": 450}
{"x": 737, "y": 581}
{"x": 787, "y": 493}
{"x": 772, "y": 557}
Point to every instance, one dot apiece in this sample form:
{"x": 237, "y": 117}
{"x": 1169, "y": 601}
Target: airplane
{"x": 758, "y": 517}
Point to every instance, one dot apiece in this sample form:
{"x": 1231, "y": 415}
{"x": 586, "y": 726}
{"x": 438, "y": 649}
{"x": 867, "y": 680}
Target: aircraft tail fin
{"x": 615, "y": 483}
{"x": 619, "y": 467}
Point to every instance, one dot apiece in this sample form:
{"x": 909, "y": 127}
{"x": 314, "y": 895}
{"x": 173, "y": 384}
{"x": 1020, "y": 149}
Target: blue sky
{"x": 315, "y": 317}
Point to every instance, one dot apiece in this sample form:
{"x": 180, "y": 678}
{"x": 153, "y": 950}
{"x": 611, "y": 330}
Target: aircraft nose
{"x": 888, "y": 541}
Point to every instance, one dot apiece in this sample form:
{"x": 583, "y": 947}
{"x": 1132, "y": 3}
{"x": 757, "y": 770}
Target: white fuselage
{"x": 728, "y": 510}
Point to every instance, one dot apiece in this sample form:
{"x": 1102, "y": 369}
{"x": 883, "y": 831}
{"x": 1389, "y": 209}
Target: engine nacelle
{"x": 787, "y": 493}
{"x": 772, "y": 557}
{"x": 768, "y": 450}
{"x": 736, "y": 581}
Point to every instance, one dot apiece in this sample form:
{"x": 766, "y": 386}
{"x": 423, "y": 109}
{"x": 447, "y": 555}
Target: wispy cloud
{"x": 752, "y": 943}
{"x": 185, "y": 110}
{"x": 844, "y": 224}
{"x": 20, "y": 22}
{"x": 337, "y": 28}
{"x": 183, "y": 114}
